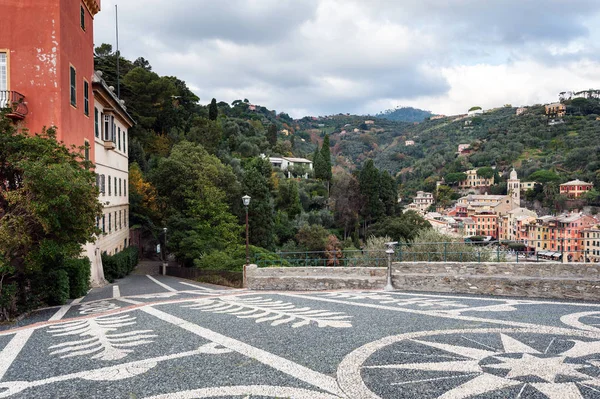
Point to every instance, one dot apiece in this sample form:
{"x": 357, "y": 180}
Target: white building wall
{"x": 112, "y": 168}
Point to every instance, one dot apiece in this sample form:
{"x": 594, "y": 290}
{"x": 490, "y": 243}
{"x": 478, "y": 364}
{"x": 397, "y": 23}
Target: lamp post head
{"x": 390, "y": 247}
{"x": 246, "y": 200}
{"x": 165, "y": 229}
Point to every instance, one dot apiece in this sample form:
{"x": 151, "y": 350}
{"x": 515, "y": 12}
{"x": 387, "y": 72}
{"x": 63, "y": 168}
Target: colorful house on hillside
{"x": 575, "y": 188}
{"x": 556, "y": 110}
{"x": 565, "y": 235}
{"x": 286, "y": 164}
{"x": 474, "y": 181}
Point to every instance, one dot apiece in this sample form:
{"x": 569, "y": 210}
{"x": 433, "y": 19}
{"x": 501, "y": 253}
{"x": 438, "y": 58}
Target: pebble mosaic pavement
{"x": 163, "y": 338}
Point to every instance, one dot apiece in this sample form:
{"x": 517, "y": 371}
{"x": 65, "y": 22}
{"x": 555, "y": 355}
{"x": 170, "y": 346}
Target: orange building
{"x": 575, "y": 188}
{"x": 566, "y": 234}
{"x": 47, "y": 64}
{"x": 486, "y": 224}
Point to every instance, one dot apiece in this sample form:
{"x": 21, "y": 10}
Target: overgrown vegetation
{"x": 191, "y": 164}
{"x": 48, "y": 210}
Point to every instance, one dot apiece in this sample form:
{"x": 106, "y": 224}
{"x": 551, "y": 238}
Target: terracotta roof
{"x": 576, "y": 182}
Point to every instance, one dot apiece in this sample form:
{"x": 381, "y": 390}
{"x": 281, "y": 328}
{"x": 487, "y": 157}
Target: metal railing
{"x": 493, "y": 251}
{"x": 15, "y": 101}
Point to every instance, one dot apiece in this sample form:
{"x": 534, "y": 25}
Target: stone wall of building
{"x": 541, "y": 280}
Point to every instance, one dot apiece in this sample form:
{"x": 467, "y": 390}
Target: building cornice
{"x": 93, "y": 6}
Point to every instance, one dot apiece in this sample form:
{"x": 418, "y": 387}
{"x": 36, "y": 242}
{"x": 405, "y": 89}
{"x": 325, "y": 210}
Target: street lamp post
{"x": 246, "y": 202}
{"x": 164, "y": 265}
{"x": 389, "y": 251}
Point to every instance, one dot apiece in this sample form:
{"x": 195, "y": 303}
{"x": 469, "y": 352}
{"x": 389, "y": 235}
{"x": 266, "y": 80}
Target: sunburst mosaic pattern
{"x": 485, "y": 363}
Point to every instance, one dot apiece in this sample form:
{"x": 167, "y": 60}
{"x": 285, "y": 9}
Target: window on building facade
{"x": 120, "y": 192}
{"x": 86, "y": 98}
{"x": 120, "y": 220}
{"x": 109, "y": 190}
{"x": 109, "y": 223}
{"x": 3, "y": 73}
{"x": 86, "y": 150}
{"x": 115, "y": 220}
{"x": 103, "y": 224}
{"x": 115, "y": 186}
{"x": 125, "y": 141}
{"x": 103, "y": 184}
{"x": 119, "y": 139}
{"x": 96, "y": 123}
{"x": 73, "y": 87}
{"x": 125, "y": 187}
{"x": 82, "y": 17}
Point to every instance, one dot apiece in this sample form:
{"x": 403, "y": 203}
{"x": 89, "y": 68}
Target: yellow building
{"x": 556, "y": 109}
{"x": 591, "y": 244}
{"x": 474, "y": 181}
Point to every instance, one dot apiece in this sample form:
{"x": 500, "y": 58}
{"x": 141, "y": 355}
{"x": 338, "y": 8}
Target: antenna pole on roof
{"x": 118, "y": 54}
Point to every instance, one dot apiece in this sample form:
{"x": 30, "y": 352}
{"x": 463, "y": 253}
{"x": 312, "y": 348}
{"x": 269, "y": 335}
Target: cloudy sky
{"x": 318, "y": 57}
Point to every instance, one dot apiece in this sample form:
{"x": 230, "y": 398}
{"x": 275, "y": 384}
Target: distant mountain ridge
{"x": 405, "y": 114}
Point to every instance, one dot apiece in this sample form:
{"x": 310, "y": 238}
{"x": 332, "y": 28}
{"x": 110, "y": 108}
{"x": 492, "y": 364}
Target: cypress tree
{"x": 320, "y": 166}
{"x": 213, "y": 111}
{"x": 261, "y": 211}
{"x": 388, "y": 193}
{"x": 369, "y": 188}
{"x": 272, "y": 135}
{"x": 326, "y": 154}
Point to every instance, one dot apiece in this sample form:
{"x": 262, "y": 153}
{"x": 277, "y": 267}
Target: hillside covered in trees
{"x": 538, "y": 148}
{"x": 405, "y": 114}
{"x": 190, "y": 165}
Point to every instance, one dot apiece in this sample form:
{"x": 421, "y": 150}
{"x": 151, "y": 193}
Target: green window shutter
{"x": 73, "y": 87}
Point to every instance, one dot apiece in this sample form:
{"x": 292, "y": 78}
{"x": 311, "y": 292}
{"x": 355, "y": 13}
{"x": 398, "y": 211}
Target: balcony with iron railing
{"x": 14, "y": 102}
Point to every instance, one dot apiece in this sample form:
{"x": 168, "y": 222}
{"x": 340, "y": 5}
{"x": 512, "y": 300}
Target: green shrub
{"x": 218, "y": 260}
{"x": 119, "y": 265}
{"x": 79, "y": 272}
{"x": 234, "y": 258}
{"x": 57, "y": 287}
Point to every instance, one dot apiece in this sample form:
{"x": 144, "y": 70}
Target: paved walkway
{"x": 161, "y": 337}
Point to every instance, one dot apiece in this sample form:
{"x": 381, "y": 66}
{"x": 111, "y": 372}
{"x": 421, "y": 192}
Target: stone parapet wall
{"x": 315, "y": 278}
{"x": 541, "y": 280}
{"x": 525, "y": 269}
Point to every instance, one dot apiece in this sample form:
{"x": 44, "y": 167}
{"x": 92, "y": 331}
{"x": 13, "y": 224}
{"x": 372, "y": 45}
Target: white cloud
{"x": 519, "y": 83}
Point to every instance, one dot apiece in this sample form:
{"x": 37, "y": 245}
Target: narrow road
{"x": 149, "y": 336}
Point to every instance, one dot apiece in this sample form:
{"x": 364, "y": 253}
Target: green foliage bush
{"x": 79, "y": 272}
{"x": 120, "y": 264}
{"x": 58, "y": 287}
{"x": 233, "y": 259}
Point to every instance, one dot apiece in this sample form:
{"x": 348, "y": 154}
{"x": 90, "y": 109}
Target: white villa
{"x": 285, "y": 163}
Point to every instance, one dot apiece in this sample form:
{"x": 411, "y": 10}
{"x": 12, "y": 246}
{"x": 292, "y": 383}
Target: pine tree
{"x": 272, "y": 135}
{"x": 213, "y": 111}
{"x": 326, "y": 154}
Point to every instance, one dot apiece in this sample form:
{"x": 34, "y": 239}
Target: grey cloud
{"x": 285, "y": 54}
{"x": 185, "y": 22}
